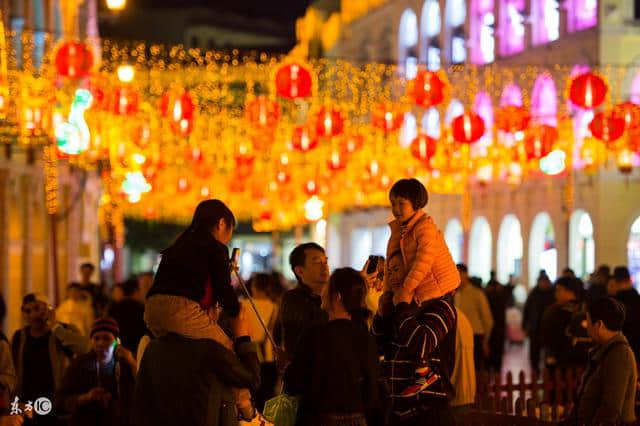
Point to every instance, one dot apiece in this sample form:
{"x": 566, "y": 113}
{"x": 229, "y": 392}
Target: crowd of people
{"x": 397, "y": 344}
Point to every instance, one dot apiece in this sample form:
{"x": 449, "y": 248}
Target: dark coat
{"x": 535, "y": 306}
{"x": 565, "y": 341}
{"x": 631, "y": 328}
{"x": 82, "y": 376}
{"x": 608, "y": 390}
{"x": 183, "y": 381}
{"x": 300, "y": 311}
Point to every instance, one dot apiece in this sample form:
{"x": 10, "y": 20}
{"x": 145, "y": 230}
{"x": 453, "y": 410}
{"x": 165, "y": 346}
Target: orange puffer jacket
{"x": 431, "y": 270}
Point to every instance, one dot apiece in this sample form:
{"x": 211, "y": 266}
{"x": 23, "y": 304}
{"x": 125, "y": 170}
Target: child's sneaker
{"x": 424, "y": 377}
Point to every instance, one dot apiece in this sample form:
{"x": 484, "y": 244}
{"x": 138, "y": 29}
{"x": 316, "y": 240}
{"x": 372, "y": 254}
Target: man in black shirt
{"x": 622, "y": 290}
{"x": 42, "y": 352}
{"x": 300, "y": 309}
{"x": 129, "y": 314}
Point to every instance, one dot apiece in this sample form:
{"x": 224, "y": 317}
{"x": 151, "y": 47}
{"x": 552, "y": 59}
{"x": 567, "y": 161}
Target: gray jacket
{"x": 65, "y": 341}
{"x": 608, "y": 390}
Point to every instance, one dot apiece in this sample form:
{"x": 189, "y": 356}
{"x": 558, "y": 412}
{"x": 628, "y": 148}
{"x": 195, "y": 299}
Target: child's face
{"x": 401, "y": 208}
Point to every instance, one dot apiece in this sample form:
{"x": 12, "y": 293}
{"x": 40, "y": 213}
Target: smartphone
{"x": 235, "y": 257}
{"x": 373, "y": 264}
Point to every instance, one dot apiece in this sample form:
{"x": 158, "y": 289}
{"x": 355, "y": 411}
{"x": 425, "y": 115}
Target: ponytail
{"x": 352, "y": 288}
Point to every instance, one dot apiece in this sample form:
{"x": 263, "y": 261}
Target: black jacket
{"x": 564, "y": 338}
{"x": 631, "y": 328}
{"x": 129, "y": 314}
{"x": 82, "y": 376}
{"x": 183, "y": 381}
{"x": 535, "y": 306}
{"x": 193, "y": 261}
{"x": 300, "y": 310}
{"x": 336, "y": 371}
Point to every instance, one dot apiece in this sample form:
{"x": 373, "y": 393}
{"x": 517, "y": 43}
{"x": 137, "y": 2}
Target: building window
{"x": 511, "y": 26}
{"x": 430, "y": 26}
{"x": 408, "y": 43}
{"x": 546, "y": 21}
{"x": 581, "y": 14}
{"x": 482, "y": 38}
{"x": 456, "y": 13}
{"x": 544, "y": 102}
{"x": 482, "y": 106}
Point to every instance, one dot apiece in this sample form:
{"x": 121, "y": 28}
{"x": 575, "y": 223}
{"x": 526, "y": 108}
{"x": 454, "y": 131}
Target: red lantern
{"x": 539, "y": 141}
{"x": 352, "y": 143}
{"x": 512, "y": 119}
{"x": 607, "y": 126}
{"x": 244, "y": 157}
{"x": 467, "y": 128}
{"x": 262, "y": 112}
{"x": 183, "y": 185}
{"x": 293, "y": 81}
{"x": 336, "y": 161}
{"x": 141, "y": 135}
{"x": 329, "y": 122}
{"x": 124, "y": 101}
{"x": 179, "y": 108}
{"x": 427, "y": 89}
{"x": 630, "y": 112}
{"x": 303, "y": 140}
{"x": 387, "y": 117}
{"x": 74, "y": 60}
{"x": 311, "y": 188}
{"x": 587, "y": 90}
{"x": 423, "y": 148}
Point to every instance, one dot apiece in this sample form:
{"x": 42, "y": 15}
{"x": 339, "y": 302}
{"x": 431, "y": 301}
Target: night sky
{"x": 282, "y": 12}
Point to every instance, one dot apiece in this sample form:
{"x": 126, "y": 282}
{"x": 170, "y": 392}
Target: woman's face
{"x": 222, "y": 232}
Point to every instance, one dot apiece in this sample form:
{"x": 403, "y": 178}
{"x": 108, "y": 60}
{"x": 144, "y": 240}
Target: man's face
{"x": 593, "y": 329}
{"x": 395, "y": 271}
{"x": 35, "y": 313}
{"x": 85, "y": 273}
{"x": 315, "y": 272}
{"x": 401, "y": 208}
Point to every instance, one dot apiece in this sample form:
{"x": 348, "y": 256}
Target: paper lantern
{"x": 539, "y": 141}
{"x": 387, "y": 116}
{"x": 587, "y": 90}
{"x": 141, "y": 135}
{"x": 303, "y": 140}
{"x": 467, "y": 128}
{"x": 262, "y": 112}
{"x": 74, "y": 60}
{"x": 124, "y": 101}
{"x": 336, "y": 161}
{"x": 423, "y": 148}
{"x": 329, "y": 122}
{"x": 179, "y": 108}
{"x": 630, "y": 112}
{"x": 427, "y": 89}
{"x": 512, "y": 119}
{"x": 311, "y": 187}
{"x": 293, "y": 81}
{"x": 607, "y": 126}
{"x": 352, "y": 142}
{"x": 624, "y": 161}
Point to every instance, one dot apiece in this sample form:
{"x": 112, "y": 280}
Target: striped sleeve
{"x": 422, "y": 336}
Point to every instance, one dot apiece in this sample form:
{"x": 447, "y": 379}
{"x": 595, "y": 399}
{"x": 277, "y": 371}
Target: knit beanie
{"x": 105, "y": 324}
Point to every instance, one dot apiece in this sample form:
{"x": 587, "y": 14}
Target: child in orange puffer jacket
{"x": 430, "y": 270}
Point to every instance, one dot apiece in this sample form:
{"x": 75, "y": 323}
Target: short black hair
{"x": 608, "y": 310}
{"x": 129, "y": 287}
{"x": 572, "y": 284}
{"x": 621, "y": 273}
{"x": 298, "y": 256}
{"x": 88, "y": 265}
{"x": 260, "y": 281}
{"x": 411, "y": 189}
{"x": 462, "y": 268}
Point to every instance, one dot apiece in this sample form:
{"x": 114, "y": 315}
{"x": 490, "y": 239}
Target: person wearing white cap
{"x": 42, "y": 351}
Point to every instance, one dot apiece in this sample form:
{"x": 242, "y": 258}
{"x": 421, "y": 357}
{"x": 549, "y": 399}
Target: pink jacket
{"x": 431, "y": 270}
